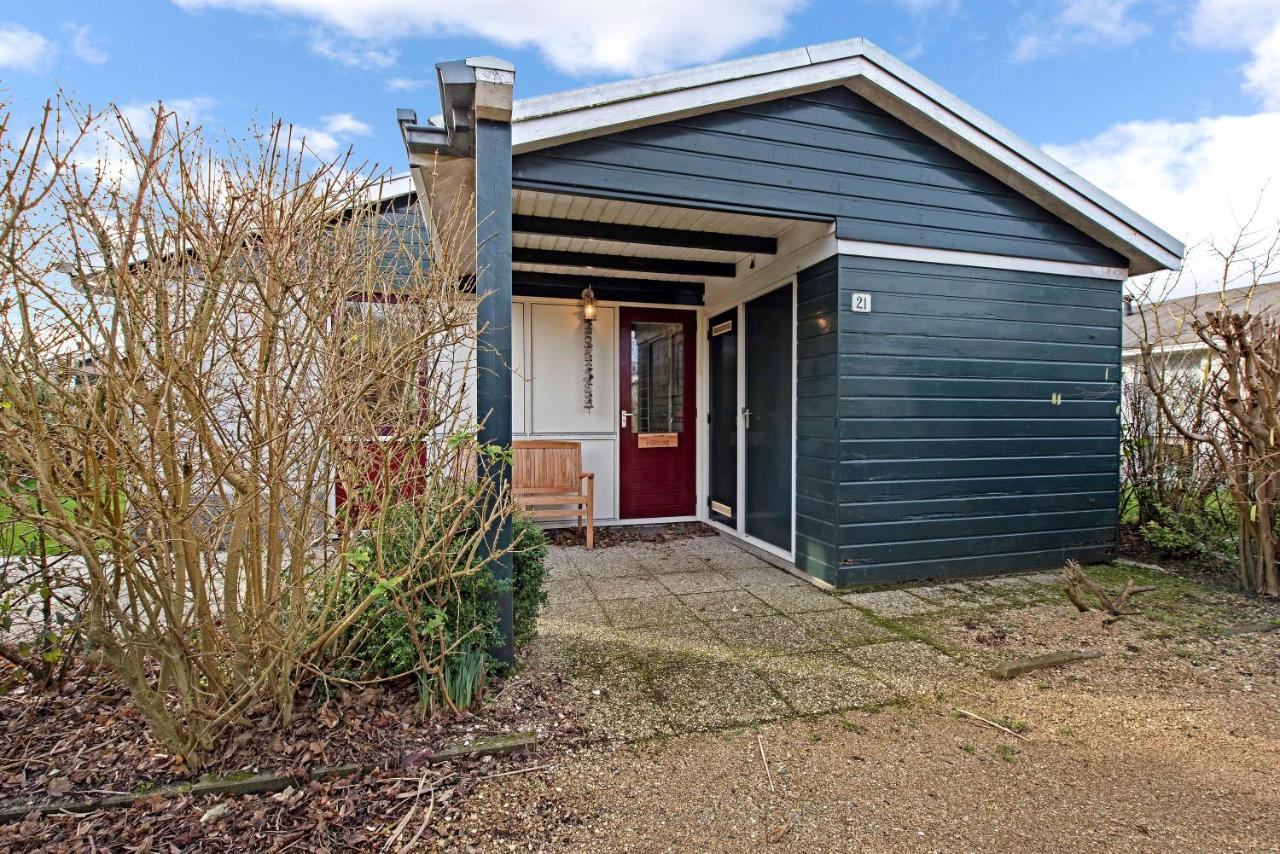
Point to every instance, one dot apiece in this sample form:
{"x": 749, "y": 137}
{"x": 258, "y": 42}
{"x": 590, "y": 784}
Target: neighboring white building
{"x": 1184, "y": 362}
{"x": 1168, "y": 322}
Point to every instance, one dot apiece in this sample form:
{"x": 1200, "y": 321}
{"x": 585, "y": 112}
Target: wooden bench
{"x": 548, "y": 481}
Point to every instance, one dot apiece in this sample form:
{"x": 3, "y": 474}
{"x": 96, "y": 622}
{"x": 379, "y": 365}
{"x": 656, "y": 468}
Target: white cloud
{"x": 333, "y": 136}
{"x": 1202, "y": 180}
{"x": 1252, "y": 25}
{"x": 24, "y": 50}
{"x": 82, "y": 45}
{"x": 920, "y": 7}
{"x": 1077, "y": 23}
{"x": 405, "y": 84}
{"x": 345, "y": 124}
{"x": 576, "y": 36}
{"x": 353, "y": 52}
{"x": 105, "y": 151}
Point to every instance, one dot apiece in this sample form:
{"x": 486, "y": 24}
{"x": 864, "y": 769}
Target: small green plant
{"x": 1006, "y": 753}
{"x": 1013, "y": 724}
{"x": 464, "y": 678}
{"x": 850, "y": 726}
{"x": 969, "y": 749}
{"x": 528, "y": 576}
{"x": 434, "y": 612}
{"x": 1194, "y": 534}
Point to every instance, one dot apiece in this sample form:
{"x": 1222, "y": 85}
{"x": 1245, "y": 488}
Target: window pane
{"x": 657, "y": 377}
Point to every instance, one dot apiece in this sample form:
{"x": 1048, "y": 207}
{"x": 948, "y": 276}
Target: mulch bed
{"x": 617, "y": 535}
{"x": 87, "y": 741}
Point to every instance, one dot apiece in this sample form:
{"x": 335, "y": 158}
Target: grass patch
{"x": 1006, "y": 753}
{"x": 1178, "y": 604}
{"x": 1013, "y": 724}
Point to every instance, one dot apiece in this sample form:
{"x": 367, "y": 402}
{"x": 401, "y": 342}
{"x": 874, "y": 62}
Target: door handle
{"x": 746, "y": 418}
{"x": 625, "y": 416}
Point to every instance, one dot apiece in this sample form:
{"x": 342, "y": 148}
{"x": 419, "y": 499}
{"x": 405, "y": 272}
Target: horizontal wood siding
{"x": 829, "y": 155}
{"x": 817, "y": 440}
{"x": 954, "y": 457}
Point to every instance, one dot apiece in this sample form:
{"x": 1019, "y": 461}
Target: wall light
{"x": 588, "y": 304}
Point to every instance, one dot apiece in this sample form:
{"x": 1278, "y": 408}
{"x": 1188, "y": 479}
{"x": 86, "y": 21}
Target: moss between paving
{"x": 687, "y": 635}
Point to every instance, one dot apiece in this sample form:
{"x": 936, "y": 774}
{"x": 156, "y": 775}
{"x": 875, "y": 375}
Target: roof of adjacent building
{"x": 556, "y": 119}
{"x": 1169, "y": 321}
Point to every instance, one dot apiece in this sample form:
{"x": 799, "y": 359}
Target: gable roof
{"x": 550, "y": 120}
{"x": 1169, "y": 321}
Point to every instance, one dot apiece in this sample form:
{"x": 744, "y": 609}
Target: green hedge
{"x": 528, "y": 574}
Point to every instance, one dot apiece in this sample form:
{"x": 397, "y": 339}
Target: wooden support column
{"x": 493, "y": 288}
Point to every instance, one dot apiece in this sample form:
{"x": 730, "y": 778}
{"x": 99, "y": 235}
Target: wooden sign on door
{"x": 657, "y": 440}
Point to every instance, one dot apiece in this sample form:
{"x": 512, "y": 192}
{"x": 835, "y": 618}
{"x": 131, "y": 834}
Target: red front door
{"x": 658, "y": 417}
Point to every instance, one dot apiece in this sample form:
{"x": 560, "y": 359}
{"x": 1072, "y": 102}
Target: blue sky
{"x": 1168, "y": 104}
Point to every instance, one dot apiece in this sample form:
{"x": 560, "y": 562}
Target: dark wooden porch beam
{"x": 527, "y": 283}
{"x": 677, "y": 237}
{"x": 629, "y": 263}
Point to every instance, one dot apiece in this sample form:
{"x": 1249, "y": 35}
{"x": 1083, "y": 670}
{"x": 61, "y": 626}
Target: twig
{"x": 423, "y": 825}
{"x": 517, "y": 771}
{"x": 422, "y": 781}
{"x": 765, "y": 761}
{"x": 992, "y": 724}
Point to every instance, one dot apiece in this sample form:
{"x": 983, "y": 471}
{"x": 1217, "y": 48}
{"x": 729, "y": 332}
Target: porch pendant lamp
{"x": 588, "y": 326}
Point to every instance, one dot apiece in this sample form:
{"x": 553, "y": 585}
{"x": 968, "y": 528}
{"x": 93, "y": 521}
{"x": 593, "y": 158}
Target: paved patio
{"x": 697, "y": 634}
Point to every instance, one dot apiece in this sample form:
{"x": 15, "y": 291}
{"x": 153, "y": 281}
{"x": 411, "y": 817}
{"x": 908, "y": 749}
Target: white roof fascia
{"x": 1168, "y": 348}
{"x": 580, "y": 114}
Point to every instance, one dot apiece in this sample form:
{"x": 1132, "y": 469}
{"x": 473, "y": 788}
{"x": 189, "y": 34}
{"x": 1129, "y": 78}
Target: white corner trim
{"x": 897, "y": 252}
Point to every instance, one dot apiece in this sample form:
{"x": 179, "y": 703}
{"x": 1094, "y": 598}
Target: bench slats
{"x": 548, "y": 472}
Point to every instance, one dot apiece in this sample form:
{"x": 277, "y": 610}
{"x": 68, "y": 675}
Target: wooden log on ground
{"x": 1020, "y": 666}
{"x": 269, "y": 782}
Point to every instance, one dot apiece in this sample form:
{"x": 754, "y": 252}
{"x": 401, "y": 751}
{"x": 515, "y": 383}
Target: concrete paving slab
{"x": 847, "y": 627}
{"x": 797, "y": 598}
{"x": 662, "y": 610}
{"x": 890, "y": 603}
{"x": 763, "y": 636}
{"x": 629, "y": 587}
{"x": 727, "y": 605}
{"x": 696, "y": 582}
{"x": 822, "y": 682}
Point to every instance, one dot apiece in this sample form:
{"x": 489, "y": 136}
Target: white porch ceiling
{"x": 615, "y": 212}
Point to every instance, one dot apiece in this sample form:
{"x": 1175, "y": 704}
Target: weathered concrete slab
{"x": 763, "y": 636}
{"x": 798, "y": 599}
{"x": 664, "y": 610}
{"x": 890, "y": 603}
{"x": 822, "y": 681}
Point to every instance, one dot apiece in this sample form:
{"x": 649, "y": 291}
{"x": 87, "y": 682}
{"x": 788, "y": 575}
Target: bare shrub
{"x": 202, "y": 344}
{"x": 1237, "y": 403}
